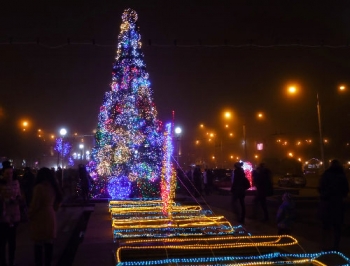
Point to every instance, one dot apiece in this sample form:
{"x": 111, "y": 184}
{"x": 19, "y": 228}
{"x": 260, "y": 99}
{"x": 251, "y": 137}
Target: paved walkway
{"x": 67, "y": 219}
{"x": 97, "y": 248}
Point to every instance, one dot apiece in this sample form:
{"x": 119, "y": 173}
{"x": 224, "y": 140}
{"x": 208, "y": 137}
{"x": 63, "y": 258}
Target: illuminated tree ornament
{"x": 66, "y": 147}
{"x": 129, "y": 140}
{"x": 168, "y": 181}
{"x": 248, "y": 168}
{"x": 119, "y": 188}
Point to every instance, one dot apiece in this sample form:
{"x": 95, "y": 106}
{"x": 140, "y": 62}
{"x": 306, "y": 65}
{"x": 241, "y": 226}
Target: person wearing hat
{"x": 10, "y": 197}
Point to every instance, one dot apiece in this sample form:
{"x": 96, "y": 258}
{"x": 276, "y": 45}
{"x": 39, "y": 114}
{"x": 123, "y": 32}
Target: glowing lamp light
{"x": 227, "y": 115}
{"x": 178, "y": 130}
{"x": 63, "y": 132}
{"x": 292, "y": 89}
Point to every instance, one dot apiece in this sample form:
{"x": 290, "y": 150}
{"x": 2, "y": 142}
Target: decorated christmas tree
{"x": 127, "y": 159}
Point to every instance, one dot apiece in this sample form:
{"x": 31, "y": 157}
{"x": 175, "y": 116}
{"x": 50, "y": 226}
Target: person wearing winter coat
{"x": 333, "y": 188}
{"x": 264, "y": 188}
{"x": 47, "y": 197}
{"x": 240, "y": 184}
{"x": 286, "y": 215}
{"x": 10, "y": 197}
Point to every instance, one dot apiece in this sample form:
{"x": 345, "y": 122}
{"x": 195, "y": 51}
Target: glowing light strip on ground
{"x": 175, "y": 208}
{"x": 274, "y": 239}
{"x": 264, "y": 259}
{"x": 134, "y": 203}
{"x": 275, "y": 242}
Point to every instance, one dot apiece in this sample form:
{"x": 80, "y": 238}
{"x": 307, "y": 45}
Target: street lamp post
{"x": 320, "y": 130}
{"x": 81, "y": 147}
{"x": 245, "y": 142}
{"x": 178, "y": 131}
{"x": 63, "y": 132}
{"x": 293, "y": 90}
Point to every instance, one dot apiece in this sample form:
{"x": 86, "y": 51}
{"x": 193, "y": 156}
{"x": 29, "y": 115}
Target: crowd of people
{"x": 35, "y": 198}
{"x": 333, "y": 189}
{"x": 195, "y": 182}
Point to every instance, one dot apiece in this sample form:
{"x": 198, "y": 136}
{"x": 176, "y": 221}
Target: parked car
{"x": 292, "y": 180}
{"x": 222, "y": 177}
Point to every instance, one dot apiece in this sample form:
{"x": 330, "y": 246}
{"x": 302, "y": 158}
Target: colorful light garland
{"x": 274, "y": 258}
{"x": 129, "y": 142}
{"x": 168, "y": 183}
{"x": 131, "y": 163}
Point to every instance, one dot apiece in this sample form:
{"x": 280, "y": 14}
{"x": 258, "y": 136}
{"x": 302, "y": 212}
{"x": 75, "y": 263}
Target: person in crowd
{"x": 10, "y": 197}
{"x": 240, "y": 184}
{"x": 197, "y": 181}
{"x": 47, "y": 197}
{"x": 210, "y": 180}
{"x": 190, "y": 182}
{"x": 59, "y": 178}
{"x": 84, "y": 179}
{"x": 333, "y": 188}
{"x": 286, "y": 215}
{"x": 205, "y": 182}
{"x": 27, "y": 184}
{"x": 181, "y": 180}
{"x": 263, "y": 183}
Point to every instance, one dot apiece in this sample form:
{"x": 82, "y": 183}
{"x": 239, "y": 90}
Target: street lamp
{"x": 228, "y": 116}
{"x": 178, "y": 132}
{"x": 293, "y": 90}
{"x": 320, "y": 130}
{"x": 245, "y": 142}
{"x": 63, "y": 132}
{"x": 81, "y": 147}
{"x": 25, "y": 125}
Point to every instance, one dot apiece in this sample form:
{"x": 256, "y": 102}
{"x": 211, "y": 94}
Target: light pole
{"x": 320, "y": 130}
{"x": 293, "y": 90}
{"x": 63, "y": 132}
{"x": 245, "y": 142}
{"x": 178, "y": 132}
{"x": 81, "y": 147}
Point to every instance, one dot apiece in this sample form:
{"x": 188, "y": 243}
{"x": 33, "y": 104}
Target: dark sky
{"x": 56, "y": 84}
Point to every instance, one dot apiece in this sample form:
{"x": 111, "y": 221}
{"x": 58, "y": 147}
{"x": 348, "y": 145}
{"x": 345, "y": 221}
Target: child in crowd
{"x": 286, "y": 215}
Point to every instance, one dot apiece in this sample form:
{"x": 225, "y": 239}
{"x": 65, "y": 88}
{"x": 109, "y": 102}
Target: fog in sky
{"x": 203, "y": 57}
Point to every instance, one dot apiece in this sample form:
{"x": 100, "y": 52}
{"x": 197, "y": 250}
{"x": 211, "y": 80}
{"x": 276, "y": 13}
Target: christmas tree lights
{"x": 168, "y": 182}
{"x": 132, "y": 164}
{"x": 126, "y": 161}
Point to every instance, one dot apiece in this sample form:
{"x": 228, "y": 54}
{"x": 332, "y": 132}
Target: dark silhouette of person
{"x": 210, "y": 180}
{"x": 10, "y": 197}
{"x": 263, "y": 183}
{"x": 182, "y": 180}
{"x": 58, "y": 176}
{"x": 190, "y": 182}
{"x": 333, "y": 188}
{"x": 84, "y": 180}
{"x": 286, "y": 215}
{"x": 238, "y": 189}
{"x": 197, "y": 181}
{"x": 47, "y": 197}
{"x": 27, "y": 184}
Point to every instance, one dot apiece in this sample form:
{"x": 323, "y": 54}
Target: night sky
{"x": 202, "y": 57}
